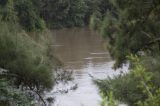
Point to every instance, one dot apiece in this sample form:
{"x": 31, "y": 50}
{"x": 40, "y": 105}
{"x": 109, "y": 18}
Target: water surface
{"x": 84, "y": 52}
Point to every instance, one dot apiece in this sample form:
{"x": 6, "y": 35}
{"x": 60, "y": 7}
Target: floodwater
{"x": 84, "y": 52}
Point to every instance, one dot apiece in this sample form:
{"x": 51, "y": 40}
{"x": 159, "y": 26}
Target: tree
{"x": 27, "y": 62}
{"x": 76, "y": 13}
{"x": 136, "y": 88}
{"x": 11, "y": 96}
{"x": 7, "y": 11}
{"x": 63, "y": 13}
{"x": 27, "y": 16}
{"x": 131, "y": 27}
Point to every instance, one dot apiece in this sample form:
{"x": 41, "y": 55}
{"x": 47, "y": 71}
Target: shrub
{"x": 134, "y": 88}
{"x": 25, "y": 59}
{"x": 11, "y": 96}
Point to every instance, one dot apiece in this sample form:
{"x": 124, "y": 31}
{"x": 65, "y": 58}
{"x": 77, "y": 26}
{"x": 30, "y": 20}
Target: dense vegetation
{"x": 129, "y": 26}
{"x": 37, "y": 14}
{"x": 26, "y": 66}
{"x": 132, "y": 27}
{"x": 26, "y": 60}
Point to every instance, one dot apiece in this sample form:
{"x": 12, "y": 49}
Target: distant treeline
{"x": 37, "y": 14}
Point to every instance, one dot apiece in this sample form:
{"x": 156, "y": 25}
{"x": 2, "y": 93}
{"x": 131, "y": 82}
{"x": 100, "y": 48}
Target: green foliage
{"x": 111, "y": 100}
{"x": 35, "y": 15}
{"x": 91, "y": 8}
{"x": 99, "y": 11}
{"x": 146, "y": 84}
{"x": 22, "y": 11}
{"x": 107, "y": 30}
{"x": 28, "y": 62}
{"x": 95, "y": 20}
{"x": 136, "y": 88}
{"x": 27, "y": 16}
{"x": 64, "y": 13}
{"x": 104, "y": 100}
{"x": 76, "y": 13}
{"x": 123, "y": 88}
{"x": 151, "y": 101}
{"x": 131, "y": 26}
{"x": 7, "y": 11}
{"x": 108, "y": 100}
{"x": 26, "y": 59}
{"x": 11, "y": 96}
{"x": 61, "y": 13}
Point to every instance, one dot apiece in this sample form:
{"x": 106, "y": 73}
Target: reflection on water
{"x": 82, "y": 51}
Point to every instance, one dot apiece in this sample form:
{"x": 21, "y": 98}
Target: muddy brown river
{"x": 84, "y": 52}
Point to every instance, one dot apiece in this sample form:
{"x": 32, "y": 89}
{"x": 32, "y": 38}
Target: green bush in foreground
{"x": 22, "y": 56}
{"x": 135, "y": 88}
{"x": 27, "y": 62}
{"x": 11, "y": 96}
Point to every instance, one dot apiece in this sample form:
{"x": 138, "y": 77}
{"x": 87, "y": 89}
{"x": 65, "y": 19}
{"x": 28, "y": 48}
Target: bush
{"x": 11, "y": 96}
{"x": 134, "y": 88}
{"x": 26, "y": 59}
{"x": 27, "y": 16}
{"x": 95, "y": 21}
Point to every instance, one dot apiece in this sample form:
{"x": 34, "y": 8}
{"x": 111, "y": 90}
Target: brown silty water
{"x": 84, "y": 52}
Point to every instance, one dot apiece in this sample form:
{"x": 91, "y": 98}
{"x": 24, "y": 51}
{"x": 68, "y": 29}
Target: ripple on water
{"x": 82, "y": 51}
